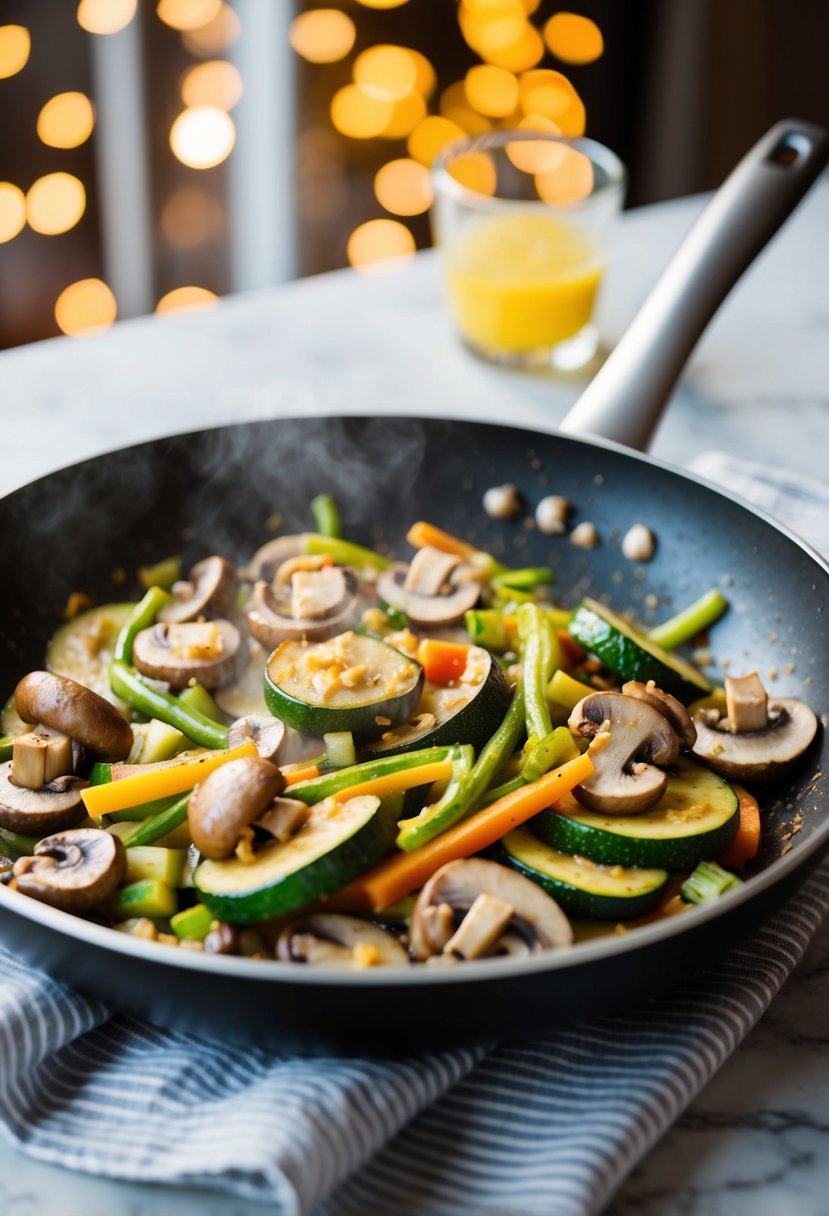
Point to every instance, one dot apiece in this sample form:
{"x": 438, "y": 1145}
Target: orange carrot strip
{"x": 160, "y": 783}
{"x": 405, "y": 872}
{"x": 294, "y": 775}
{"x": 393, "y": 783}
{"x": 745, "y": 844}
{"x": 422, "y": 534}
{"x": 442, "y": 662}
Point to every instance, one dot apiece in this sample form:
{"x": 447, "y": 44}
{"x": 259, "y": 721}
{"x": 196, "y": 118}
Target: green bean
{"x": 326, "y": 516}
{"x": 13, "y": 844}
{"x": 142, "y": 616}
{"x": 144, "y": 811}
{"x": 329, "y": 784}
{"x": 540, "y": 656}
{"x": 694, "y": 619}
{"x": 554, "y": 749}
{"x": 131, "y": 687}
{"x": 196, "y": 697}
{"x": 525, "y": 579}
{"x": 345, "y": 553}
{"x": 159, "y": 826}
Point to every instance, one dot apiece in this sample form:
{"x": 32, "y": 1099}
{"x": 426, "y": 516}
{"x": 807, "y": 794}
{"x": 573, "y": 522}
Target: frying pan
{"x": 212, "y": 491}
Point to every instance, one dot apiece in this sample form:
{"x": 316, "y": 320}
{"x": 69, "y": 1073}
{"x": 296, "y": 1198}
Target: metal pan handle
{"x": 626, "y": 398}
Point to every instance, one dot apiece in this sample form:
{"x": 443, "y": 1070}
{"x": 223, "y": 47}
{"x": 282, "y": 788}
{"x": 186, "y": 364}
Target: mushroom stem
{"x": 747, "y": 703}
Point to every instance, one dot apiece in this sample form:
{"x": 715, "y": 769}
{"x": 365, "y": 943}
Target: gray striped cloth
{"x": 549, "y": 1128}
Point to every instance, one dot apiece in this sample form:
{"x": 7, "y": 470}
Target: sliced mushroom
{"x": 756, "y": 755}
{"x": 210, "y": 591}
{"x": 665, "y": 704}
{"x": 53, "y": 807}
{"x": 229, "y": 800}
{"x": 535, "y": 918}
{"x": 73, "y": 870}
{"x": 212, "y": 653}
{"x": 336, "y": 940}
{"x": 78, "y": 712}
{"x": 270, "y": 609}
{"x": 630, "y": 739}
{"x": 435, "y": 589}
{"x": 266, "y": 732}
{"x": 267, "y": 559}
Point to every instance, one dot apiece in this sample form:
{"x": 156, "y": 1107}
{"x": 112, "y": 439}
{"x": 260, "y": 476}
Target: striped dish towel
{"x": 548, "y": 1128}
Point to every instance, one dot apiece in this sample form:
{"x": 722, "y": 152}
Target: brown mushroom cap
{"x": 229, "y": 800}
{"x": 266, "y": 732}
{"x": 635, "y": 739}
{"x": 73, "y": 870}
{"x": 161, "y": 652}
{"x": 451, "y": 892}
{"x": 665, "y": 704}
{"x": 335, "y": 940}
{"x": 270, "y": 618}
{"x": 55, "y": 806}
{"x": 210, "y": 591}
{"x": 74, "y": 710}
{"x": 757, "y": 755}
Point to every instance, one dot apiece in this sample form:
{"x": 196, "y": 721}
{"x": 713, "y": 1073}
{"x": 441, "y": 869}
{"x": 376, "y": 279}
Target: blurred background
{"x": 157, "y": 154}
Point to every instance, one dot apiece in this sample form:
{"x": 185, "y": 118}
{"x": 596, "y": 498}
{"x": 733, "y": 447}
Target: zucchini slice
{"x": 696, "y": 819}
{"x": 337, "y": 842}
{"x": 82, "y": 649}
{"x": 351, "y": 682}
{"x": 469, "y": 712}
{"x": 583, "y": 887}
{"x": 632, "y": 655}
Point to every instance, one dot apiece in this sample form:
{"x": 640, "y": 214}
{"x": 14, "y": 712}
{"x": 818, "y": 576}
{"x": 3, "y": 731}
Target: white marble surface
{"x": 756, "y": 1140}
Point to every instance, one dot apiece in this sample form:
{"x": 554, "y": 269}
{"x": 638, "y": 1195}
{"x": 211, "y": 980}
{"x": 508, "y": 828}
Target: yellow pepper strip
{"x": 161, "y": 783}
{"x": 393, "y": 783}
{"x": 567, "y": 691}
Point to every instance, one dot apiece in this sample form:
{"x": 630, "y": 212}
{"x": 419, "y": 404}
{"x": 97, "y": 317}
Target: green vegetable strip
{"x": 198, "y": 698}
{"x": 554, "y": 749}
{"x": 142, "y": 616}
{"x": 329, "y": 784}
{"x": 326, "y": 516}
{"x": 486, "y": 627}
{"x": 146, "y": 810}
{"x": 564, "y": 690}
{"x": 436, "y": 818}
{"x": 694, "y": 619}
{"x": 6, "y": 748}
{"x": 708, "y": 881}
{"x": 131, "y": 687}
{"x": 525, "y": 579}
{"x": 193, "y": 924}
{"x": 13, "y": 844}
{"x": 162, "y": 574}
{"x": 154, "y": 829}
{"x": 345, "y": 553}
{"x": 539, "y": 658}
{"x": 450, "y": 810}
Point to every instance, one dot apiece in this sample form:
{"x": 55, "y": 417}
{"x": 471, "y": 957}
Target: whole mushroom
{"x": 210, "y": 591}
{"x": 229, "y": 800}
{"x": 75, "y": 870}
{"x": 76, "y": 711}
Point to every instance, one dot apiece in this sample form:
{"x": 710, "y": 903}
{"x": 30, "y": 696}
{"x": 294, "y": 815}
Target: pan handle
{"x": 626, "y": 398}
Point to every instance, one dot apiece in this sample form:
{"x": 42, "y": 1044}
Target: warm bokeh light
{"x": 522, "y": 53}
{"x": 491, "y": 91}
{"x": 536, "y": 156}
{"x": 202, "y": 137}
{"x": 12, "y": 211}
{"x": 454, "y": 106}
{"x": 55, "y": 203}
{"x": 405, "y": 116}
{"x": 404, "y": 187}
{"x": 380, "y": 245}
{"x": 188, "y": 14}
{"x": 322, "y": 35}
{"x": 217, "y": 36}
{"x": 15, "y": 45}
{"x": 360, "y": 114}
{"x": 382, "y": 3}
{"x": 426, "y": 79}
{"x": 551, "y": 95}
{"x": 570, "y": 181}
{"x": 388, "y": 71}
{"x": 85, "y": 308}
{"x": 66, "y": 121}
{"x": 431, "y": 136}
{"x": 215, "y": 83}
{"x": 573, "y": 39}
{"x": 476, "y": 171}
{"x": 186, "y": 299}
{"x": 105, "y": 16}
{"x": 191, "y": 217}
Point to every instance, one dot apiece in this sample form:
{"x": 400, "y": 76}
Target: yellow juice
{"x": 522, "y": 282}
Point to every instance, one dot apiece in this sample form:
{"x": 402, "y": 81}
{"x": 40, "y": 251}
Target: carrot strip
{"x": 405, "y": 872}
{"x": 422, "y": 534}
{"x": 161, "y": 783}
{"x": 745, "y": 844}
{"x": 394, "y": 783}
{"x": 294, "y": 775}
{"x": 442, "y": 662}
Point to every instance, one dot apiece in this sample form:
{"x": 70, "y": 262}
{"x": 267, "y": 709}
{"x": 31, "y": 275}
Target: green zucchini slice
{"x": 469, "y": 712}
{"x": 632, "y": 655}
{"x": 695, "y": 820}
{"x": 337, "y": 842}
{"x": 583, "y": 887}
{"x": 82, "y": 649}
{"x": 351, "y": 682}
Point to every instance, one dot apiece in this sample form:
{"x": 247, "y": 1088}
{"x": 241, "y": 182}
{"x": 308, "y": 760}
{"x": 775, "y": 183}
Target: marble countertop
{"x": 756, "y": 1140}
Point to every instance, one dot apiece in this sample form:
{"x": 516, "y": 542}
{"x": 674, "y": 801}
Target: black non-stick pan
{"x": 213, "y": 491}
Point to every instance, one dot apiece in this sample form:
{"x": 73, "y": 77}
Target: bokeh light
{"x": 12, "y": 211}
{"x": 491, "y": 91}
{"x": 573, "y": 39}
{"x": 66, "y": 121}
{"x": 382, "y": 3}
{"x": 431, "y": 136}
{"x": 404, "y": 187}
{"x": 191, "y": 217}
{"x": 202, "y": 137}
{"x": 388, "y": 71}
{"x": 476, "y": 171}
{"x": 551, "y": 95}
{"x": 85, "y": 308}
{"x": 55, "y": 203}
{"x": 322, "y": 35}
{"x": 188, "y": 14}
{"x": 15, "y": 45}
{"x": 536, "y": 156}
{"x": 380, "y": 245}
{"x": 360, "y": 114}
{"x": 214, "y": 83}
{"x": 105, "y": 16}
{"x": 454, "y": 106}
{"x": 570, "y": 181}
{"x": 405, "y": 116}
{"x": 426, "y": 80}
{"x": 217, "y": 35}
{"x": 186, "y": 299}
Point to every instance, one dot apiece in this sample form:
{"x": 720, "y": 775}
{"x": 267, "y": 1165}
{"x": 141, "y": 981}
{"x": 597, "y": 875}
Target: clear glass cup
{"x": 523, "y": 221}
